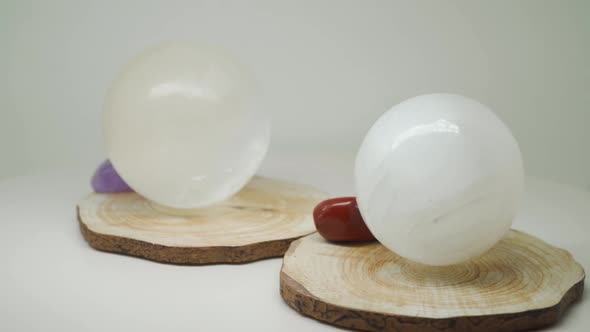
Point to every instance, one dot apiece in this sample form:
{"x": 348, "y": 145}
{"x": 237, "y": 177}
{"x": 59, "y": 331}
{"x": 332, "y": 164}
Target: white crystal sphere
{"x": 439, "y": 179}
{"x": 184, "y": 126}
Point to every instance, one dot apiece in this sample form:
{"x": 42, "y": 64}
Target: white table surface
{"x": 51, "y": 280}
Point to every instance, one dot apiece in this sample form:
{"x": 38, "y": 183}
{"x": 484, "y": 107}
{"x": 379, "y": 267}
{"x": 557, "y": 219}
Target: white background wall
{"x": 329, "y": 69}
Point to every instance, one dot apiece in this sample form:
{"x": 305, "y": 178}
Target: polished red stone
{"x": 339, "y": 220}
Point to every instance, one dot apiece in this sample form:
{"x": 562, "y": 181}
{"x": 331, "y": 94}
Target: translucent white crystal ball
{"x": 184, "y": 126}
{"x": 439, "y": 179}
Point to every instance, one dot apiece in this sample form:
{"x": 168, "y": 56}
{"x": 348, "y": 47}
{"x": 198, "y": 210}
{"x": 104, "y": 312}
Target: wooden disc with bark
{"x": 258, "y": 222}
{"x": 522, "y": 283}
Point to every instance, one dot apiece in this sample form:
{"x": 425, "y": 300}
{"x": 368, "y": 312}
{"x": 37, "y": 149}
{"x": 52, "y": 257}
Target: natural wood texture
{"x": 522, "y": 283}
{"x": 258, "y": 222}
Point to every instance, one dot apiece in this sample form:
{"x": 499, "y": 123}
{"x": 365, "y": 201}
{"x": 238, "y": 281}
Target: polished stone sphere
{"x": 184, "y": 125}
{"x": 439, "y": 179}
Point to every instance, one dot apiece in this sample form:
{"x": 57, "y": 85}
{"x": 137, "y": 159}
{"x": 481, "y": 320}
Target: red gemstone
{"x": 339, "y": 220}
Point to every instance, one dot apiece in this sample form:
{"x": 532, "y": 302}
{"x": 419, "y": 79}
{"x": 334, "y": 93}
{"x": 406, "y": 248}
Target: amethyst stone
{"x": 107, "y": 180}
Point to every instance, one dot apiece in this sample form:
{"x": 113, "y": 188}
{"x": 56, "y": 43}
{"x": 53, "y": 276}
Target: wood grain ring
{"x": 259, "y": 222}
{"x": 366, "y": 287}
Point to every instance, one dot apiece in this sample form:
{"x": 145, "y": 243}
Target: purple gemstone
{"x": 107, "y": 180}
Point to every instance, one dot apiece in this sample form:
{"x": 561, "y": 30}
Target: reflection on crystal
{"x": 439, "y": 179}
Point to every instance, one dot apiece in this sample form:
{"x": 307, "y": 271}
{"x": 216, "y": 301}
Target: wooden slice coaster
{"x": 522, "y": 283}
{"x": 258, "y": 222}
